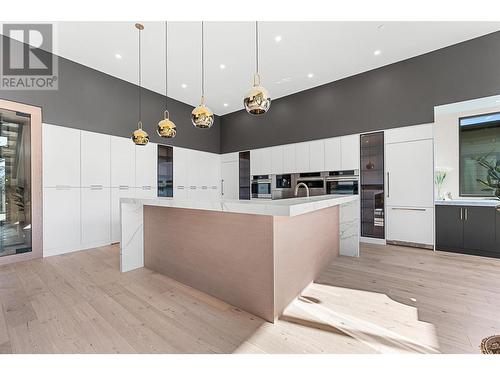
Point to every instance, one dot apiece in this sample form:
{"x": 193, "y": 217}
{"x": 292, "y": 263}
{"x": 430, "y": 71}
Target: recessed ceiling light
{"x": 377, "y": 52}
{"x": 184, "y": 85}
{"x": 310, "y": 75}
{"x": 225, "y": 104}
{"x": 277, "y": 38}
{"x": 222, "y": 66}
{"x": 118, "y": 56}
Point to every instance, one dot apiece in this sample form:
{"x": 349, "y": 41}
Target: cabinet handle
{"x": 192, "y": 187}
{"x": 63, "y": 187}
{"x": 95, "y": 187}
{"x": 146, "y": 187}
{"x": 461, "y": 213}
{"x": 466, "y": 214}
{"x": 408, "y": 209}
{"x": 204, "y": 187}
{"x": 222, "y": 187}
{"x": 388, "y": 185}
{"x": 123, "y": 187}
{"x": 180, "y": 187}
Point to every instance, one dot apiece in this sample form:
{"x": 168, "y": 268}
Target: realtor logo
{"x": 28, "y": 61}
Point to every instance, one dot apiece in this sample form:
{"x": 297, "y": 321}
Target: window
{"x": 165, "y": 171}
{"x": 479, "y": 136}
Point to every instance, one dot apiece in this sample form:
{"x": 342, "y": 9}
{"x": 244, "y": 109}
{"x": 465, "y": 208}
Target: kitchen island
{"x": 255, "y": 255}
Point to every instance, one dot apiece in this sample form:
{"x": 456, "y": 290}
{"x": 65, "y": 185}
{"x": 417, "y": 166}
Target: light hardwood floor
{"x": 391, "y": 299}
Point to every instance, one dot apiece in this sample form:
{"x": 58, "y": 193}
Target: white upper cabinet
{"x": 302, "y": 157}
{"x": 349, "y": 147}
{"x": 289, "y": 165}
{"x": 256, "y": 162}
{"x": 146, "y": 165}
{"x": 409, "y": 133}
{"x": 230, "y": 157}
{"x": 180, "y": 166}
{"x": 195, "y": 169}
{"x": 277, "y": 160}
{"x": 122, "y": 162}
{"x": 332, "y": 154}
{"x": 266, "y": 163}
{"x": 317, "y": 156}
{"x": 410, "y": 174}
{"x": 95, "y": 159}
{"x": 61, "y": 156}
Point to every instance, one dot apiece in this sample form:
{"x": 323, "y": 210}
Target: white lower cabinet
{"x": 61, "y": 220}
{"x": 116, "y": 194}
{"x": 410, "y": 224}
{"x": 96, "y": 217}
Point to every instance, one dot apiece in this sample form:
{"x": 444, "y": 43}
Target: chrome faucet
{"x": 301, "y": 184}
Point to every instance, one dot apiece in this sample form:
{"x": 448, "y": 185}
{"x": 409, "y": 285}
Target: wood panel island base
{"x": 255, "y": 256}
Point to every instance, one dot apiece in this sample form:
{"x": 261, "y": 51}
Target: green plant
{"x": 439, "y": 181}
{"x": 492, "y": 167}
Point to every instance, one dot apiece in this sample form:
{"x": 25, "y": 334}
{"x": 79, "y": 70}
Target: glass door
{"x": 372, "y": 185}
{"x": 15, "y": 183}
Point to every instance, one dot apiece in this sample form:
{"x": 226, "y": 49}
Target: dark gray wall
{"x": 400, "y": 94}
{"x": 91, "y": 100}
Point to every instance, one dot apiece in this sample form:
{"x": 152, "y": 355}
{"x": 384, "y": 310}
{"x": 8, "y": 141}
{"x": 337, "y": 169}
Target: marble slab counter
{"x": 256, "y": 255}
{"x": 469, "y": 202}
{"x": 283, "y": 207}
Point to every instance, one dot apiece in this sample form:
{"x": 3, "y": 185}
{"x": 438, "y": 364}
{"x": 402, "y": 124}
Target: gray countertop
{"x": 469, "y": 202}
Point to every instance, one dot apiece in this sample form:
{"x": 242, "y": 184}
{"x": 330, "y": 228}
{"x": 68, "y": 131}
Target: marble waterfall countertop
{"x": 282, "y": 207}
{"x": 469, "y": 202}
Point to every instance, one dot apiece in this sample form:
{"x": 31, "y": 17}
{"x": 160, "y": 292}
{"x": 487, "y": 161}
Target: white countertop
{"x": 280, "y": 207}
{"x": 469, "y": 202}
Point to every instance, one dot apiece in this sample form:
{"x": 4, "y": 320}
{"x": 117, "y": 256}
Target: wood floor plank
{"x": 389, "y": 300}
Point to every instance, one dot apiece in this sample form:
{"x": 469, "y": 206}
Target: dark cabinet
{"x": 449, "y": 228}
{"x": 469, "y": 230}
{"x": 479, "y": 228}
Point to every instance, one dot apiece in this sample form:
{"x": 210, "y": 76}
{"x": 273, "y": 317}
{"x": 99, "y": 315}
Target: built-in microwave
{"x": 343, "y": 182}
{"x": 261, "y": 187}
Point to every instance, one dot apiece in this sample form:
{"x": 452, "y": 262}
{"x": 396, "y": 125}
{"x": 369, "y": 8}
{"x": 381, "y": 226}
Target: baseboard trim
{"x": 410, "y": 244}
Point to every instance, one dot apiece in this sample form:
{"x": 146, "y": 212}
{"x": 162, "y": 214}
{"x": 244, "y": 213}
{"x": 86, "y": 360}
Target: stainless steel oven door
{"x": 261, "y": 189}
{"x": 342, "y": 186}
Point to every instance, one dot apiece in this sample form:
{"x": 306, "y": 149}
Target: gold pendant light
{"x": 202, "y": 117}
{"x": 166, "y": 127}
{"x": 257, "y": 100}
{"x": 139, "y": 136}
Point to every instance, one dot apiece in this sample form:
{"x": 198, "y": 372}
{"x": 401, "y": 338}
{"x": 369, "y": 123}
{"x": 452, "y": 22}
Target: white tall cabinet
{"x": 122, "y": 162}
{"x": 95, "y": 161}
{"x": 146, "y": 171}
{"x": 230, "y": 175}
{"x": 410, "y": 185}
{"x": 61, "y": 190}
{"x": 86, "y": 174}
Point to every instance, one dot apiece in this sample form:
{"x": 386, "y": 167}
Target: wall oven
{"x": 261, "y": 187}
{"x": 343, "y": 182}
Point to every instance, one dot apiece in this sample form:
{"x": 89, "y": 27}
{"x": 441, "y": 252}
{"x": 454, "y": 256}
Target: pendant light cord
{"x": 202, "y": 63}
{"x": 257, "y": 46}
{"x": 166, "y": 65}
{"x": 140, "y": 78}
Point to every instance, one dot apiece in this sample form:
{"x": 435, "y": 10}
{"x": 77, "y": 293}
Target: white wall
{"x": 446, "y": 131}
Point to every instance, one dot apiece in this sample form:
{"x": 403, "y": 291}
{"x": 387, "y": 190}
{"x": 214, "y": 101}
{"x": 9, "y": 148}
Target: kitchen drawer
{"x": 414, "y": 225}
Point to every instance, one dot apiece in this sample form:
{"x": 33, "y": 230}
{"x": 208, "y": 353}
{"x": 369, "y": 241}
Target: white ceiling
{"x": 328, "y": 50}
